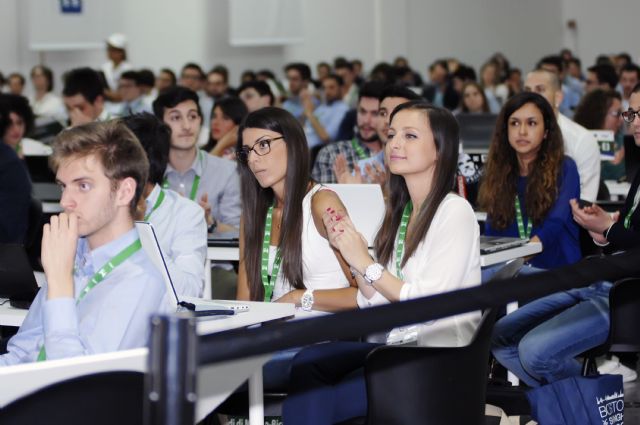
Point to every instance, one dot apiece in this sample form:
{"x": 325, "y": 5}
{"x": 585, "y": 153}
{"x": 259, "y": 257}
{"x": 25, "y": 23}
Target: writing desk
{"x": 215, "y": 382}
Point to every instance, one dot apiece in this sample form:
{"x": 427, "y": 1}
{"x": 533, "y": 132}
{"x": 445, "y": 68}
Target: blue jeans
{"x": 327, "y": 384}
{"x": 539, "y": 341}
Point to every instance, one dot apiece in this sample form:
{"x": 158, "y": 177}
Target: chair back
{"x": 624, "y": 308}
{"x": 97, "y": 399}
{"x": 438, "y": 384}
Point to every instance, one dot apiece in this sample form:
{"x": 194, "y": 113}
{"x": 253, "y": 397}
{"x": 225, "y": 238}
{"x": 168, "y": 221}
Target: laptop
{"x": 492, "y": 244}
{"x": 365, "y": 205}
{"x": 198, "y": 306}
{"x": 476, "y": 131}
{"x": 17, "y": 282}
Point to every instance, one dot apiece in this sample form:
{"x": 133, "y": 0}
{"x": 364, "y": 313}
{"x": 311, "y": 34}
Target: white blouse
{"x": 320, "y": 267}
{"x": 446, "y": 260}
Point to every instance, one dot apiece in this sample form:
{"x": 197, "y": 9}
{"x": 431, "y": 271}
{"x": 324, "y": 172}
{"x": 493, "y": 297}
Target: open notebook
{"x": 198, "y": 306}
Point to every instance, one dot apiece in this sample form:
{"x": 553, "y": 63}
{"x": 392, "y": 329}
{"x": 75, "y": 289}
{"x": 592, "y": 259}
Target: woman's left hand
{"x": 345, "y": 238}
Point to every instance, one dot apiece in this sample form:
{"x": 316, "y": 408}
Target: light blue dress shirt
{"x": 114, "y": 315}
{"x": 330, "y": 116}
{"x": 182, "y": 233}
{"x": 218, "y": 178}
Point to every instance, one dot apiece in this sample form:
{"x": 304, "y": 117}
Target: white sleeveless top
{"x": 320, "y": 267}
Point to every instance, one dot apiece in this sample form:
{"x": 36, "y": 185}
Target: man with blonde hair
{"x": 101, "y": 287}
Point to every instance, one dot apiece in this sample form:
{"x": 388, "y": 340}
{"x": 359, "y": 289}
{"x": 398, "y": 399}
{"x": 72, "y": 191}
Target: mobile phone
{"x": 582, "y": 203}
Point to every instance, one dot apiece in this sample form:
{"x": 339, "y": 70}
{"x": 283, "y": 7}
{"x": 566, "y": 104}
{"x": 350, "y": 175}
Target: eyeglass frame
{"x": 246, "y": 150}
{"x": 634, "y": 114}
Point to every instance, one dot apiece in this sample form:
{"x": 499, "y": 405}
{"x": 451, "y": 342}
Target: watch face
{"x": 374, "y": 272}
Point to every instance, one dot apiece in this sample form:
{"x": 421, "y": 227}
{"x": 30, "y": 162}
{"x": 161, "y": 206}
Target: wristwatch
{"x": 306, "y": 302}
{"x": 373, "y": 272}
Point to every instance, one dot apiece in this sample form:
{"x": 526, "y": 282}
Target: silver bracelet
{"x": 606, "y": 233}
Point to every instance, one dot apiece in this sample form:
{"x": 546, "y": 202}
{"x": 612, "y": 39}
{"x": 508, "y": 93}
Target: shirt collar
{"x": 88, "y": 261}
{"x": 151, "y": 199}
{"x": 197, "y": 166}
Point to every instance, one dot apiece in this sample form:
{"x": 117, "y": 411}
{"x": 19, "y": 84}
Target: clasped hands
{"x": 344, "y": 237}
{"x": 594, "y": 219}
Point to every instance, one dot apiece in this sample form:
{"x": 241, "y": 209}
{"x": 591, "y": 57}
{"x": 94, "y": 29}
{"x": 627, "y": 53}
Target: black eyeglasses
{"x": 630, "y": 115}
{"x": 261, "y": 148}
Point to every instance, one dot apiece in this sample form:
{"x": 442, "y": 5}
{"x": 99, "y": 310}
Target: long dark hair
{"x": 445, "y": 134}
{"x": 257, "y": 200}
{"x": 499, "y": 185}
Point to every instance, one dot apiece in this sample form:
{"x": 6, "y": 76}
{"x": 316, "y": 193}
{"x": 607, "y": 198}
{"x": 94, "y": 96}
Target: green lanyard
{"x": 268, "y": 282}
{"x": 402, "y": 235}
{"x": 99, "y": 277}
{"x": 627, "y": 219}
{"x": 194, "y": 185}
{"x": 523, "y": 234}
{"x": 359, "y": 151}
{"x": 156, "y": 205}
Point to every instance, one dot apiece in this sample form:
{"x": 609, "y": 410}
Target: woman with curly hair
{"x": 528, "y": 182}
{"x": 539, "y": 341}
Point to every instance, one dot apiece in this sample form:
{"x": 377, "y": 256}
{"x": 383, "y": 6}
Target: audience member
{"x": 514, "y": 81}
{"x": 166, "y": 79}
{"x": 256, "y": 95}
{"x": 496, "y": 92}
{"x": 299, "y": 77}
{"x": 15, "y": 186}
{"x": 101, "y": 287}
{"x": 439, "y": 91}
{"x": 216, "y": 87}
{"x": 441, "y": 253}
{"x": 358, "y": 72}
{"x": 629, "y": 78}
{"x": 322, "y": 122}
{"x": 364, "y": 145}
{"x": 349, "y": 88}
{"x": 528, "y": 182}
{"x": 579, "y": 144}
{"x": 83, "y": 97}
{"x": 374, "y": 169}
{"x": 147, "y": 82}
{"x": 323, "y": 69}
{"x": 179, "y": 223}
{"x": 20, "y": 122}
{"x": 473, "y": 100}
{"x": 247, "y": 76}
{"x": 601, "y": 110}
{"x": 46, "y": 105}
{"x": 602, "y": 76}
{"x": 131, "y": 94}
{"x": 273, "y": 161}
{"x": 211, "y": 181}
{"x": 227, "y": 114}
{"x": 16, "y": 82}
{"x": 571, "y": 92}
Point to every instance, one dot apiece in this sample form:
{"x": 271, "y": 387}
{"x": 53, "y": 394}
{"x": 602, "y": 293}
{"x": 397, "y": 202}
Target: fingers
{"x": 204, "y": 198}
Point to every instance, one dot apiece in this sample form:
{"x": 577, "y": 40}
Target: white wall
{"x": 602, "y": 28}
{"x": 169, "y": 33}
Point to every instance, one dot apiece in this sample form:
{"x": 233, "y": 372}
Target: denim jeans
{"x": 539, "y": 341}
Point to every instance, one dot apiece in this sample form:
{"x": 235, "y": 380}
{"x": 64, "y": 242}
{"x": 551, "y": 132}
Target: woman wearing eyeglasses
{"x": 284, "y": 252}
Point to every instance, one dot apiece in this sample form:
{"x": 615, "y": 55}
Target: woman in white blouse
{"x": 428, "y": 243}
